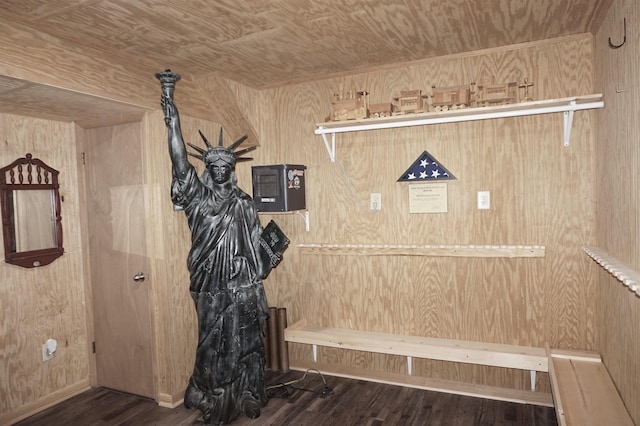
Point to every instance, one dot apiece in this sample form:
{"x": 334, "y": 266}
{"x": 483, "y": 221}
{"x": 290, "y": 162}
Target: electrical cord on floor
{"x": 286, "y": 389}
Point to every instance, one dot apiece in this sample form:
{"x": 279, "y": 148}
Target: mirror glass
{"x": 35, "y": 228}
{"x": 31, "y": 221}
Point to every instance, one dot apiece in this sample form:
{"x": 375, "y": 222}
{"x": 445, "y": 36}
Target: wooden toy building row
{"x": 355, "y": 105}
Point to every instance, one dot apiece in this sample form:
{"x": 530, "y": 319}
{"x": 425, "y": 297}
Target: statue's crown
{"x": 216, "y": 153}
{"x": 220, "y": 153}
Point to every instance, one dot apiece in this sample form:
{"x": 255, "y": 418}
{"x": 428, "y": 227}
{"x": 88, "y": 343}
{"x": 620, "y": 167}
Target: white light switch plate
{"x": 484, "y": 200}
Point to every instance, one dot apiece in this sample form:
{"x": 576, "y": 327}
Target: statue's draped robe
{"x": 226, "y": 286}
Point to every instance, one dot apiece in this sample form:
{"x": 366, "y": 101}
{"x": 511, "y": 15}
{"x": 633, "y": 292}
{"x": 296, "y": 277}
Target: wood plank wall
{"x": 618, "y": 224}
{"x": 45, "y": 302}
{"x": 542, "y": 193}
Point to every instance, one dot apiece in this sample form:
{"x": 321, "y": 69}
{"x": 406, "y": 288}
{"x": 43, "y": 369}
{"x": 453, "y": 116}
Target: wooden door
{"x": 116, "y": 218}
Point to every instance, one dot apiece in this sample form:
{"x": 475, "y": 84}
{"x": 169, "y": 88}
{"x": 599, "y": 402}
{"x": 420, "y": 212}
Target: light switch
{"x": 376, "y": 201}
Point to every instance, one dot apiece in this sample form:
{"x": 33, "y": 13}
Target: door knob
{"x": 139, "y": 277}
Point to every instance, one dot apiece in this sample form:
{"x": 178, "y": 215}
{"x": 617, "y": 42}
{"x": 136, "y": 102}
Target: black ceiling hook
{"x": 624, "y": 40}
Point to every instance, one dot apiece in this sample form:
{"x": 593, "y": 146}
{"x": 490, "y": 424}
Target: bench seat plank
{"x": 584, "y": 392}
{"x": 490, "y": 354}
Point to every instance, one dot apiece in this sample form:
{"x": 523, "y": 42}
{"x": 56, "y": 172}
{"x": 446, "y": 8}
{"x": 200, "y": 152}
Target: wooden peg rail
{"x": 423, "y": 250}
{"x": 627, "y": 275}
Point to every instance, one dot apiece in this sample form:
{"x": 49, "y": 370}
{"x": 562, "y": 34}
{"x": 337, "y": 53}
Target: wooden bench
{"x": 583, "y": 391}
{"x": 497, "y": 355}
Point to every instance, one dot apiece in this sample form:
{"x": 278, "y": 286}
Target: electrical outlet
{"x": 47, "y": 355}
{"x": 484, "y": 200}
{"x": 49, "y": 350}
{"x": 376, "y": 201}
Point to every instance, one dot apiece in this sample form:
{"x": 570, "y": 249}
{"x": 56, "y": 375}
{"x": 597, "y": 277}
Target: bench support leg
{"x": 533, "y": 380}
{"x": 315, "y": 353}
{"x": 409, "y": 365}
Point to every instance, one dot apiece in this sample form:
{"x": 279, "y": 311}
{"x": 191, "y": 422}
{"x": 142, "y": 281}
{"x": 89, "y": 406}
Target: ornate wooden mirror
{"x": 31, "y": 221}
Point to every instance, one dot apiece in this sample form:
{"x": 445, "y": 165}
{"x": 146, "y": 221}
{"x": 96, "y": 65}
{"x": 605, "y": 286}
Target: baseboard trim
{"x": 168, "y": 401}
{"x": 47, "y": 401}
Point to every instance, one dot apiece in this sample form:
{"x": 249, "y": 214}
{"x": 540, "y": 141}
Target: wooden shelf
{"x": 627, "y": 275}
{"x": 423, "y": 250}
{"x": 565, "y": 105}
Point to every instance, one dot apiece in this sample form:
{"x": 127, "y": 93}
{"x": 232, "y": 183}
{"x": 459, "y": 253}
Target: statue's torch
{"x": 168, "y": 81}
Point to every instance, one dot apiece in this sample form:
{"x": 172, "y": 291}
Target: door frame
{"x": 83, "y": 190}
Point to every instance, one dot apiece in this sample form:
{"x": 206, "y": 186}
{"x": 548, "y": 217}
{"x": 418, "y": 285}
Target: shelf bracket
{"x": 305, "y": 217}
{"x": 568, "y": 121}
{"x": 330, "y": 149}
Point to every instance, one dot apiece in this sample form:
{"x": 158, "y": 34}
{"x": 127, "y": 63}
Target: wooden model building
{"x": 409, "y": 102}
{"x": 384, "y": 109}
{"x": 452, "y": 97}
{"x": 490, "y": 93}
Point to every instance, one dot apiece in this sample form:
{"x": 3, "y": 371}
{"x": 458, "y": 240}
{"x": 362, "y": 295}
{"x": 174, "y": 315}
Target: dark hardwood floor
{"x": 307, "y": 401}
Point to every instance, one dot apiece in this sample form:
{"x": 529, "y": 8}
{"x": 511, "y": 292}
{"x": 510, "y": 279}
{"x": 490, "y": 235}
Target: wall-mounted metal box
{"x": 279, "y": 187}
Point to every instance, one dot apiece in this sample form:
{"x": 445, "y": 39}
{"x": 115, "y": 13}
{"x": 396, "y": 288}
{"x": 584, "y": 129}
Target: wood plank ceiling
{"x": 269, "y": 43}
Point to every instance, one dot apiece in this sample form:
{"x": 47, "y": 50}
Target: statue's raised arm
{"x": 177, "y": 149}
